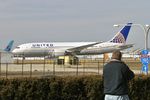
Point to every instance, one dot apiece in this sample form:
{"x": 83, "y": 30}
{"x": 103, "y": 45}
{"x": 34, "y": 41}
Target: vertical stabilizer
{"x": 9, "y": 46}
{"x": 122, "y": 35}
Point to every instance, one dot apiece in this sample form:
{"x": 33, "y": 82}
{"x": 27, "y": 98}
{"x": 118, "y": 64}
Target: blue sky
{"x": 70, "y": 20}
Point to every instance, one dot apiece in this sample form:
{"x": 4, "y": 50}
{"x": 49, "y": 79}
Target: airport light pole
{"x": 145, "y": 28}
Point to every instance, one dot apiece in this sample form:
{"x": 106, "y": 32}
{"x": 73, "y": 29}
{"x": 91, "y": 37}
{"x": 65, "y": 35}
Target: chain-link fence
{"x": 24, "y": 69}
{"x": 47, "y": 68}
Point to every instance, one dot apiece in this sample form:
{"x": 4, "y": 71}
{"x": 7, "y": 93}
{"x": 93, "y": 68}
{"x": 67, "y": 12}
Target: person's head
{"x": 116, "y": 55}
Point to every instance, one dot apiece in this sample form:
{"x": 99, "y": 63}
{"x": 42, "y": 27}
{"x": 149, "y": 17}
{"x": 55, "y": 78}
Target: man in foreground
{"x": 116, "y": 77}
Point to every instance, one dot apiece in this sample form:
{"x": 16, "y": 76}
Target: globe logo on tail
{"x": 119, "y": 39}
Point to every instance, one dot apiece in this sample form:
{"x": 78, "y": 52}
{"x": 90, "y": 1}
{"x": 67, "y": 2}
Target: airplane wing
{"x": 77, "y": 49}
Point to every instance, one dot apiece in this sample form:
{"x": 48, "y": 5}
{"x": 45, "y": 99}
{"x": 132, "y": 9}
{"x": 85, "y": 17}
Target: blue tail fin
{"x": 9, "y": 46}
{"x": 122, "y": 35}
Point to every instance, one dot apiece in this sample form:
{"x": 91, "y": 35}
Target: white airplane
{"x": 55, "y": 49}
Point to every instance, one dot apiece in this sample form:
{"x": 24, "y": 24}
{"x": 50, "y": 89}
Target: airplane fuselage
{"x": 60, "y": 49}
{"x": 44, "y": 49}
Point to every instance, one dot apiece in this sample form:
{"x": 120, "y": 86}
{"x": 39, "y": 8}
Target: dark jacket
{"x": 116, "y": 76}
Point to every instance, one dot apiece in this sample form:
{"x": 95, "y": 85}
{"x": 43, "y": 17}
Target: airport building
{"x": 67, "y": 60}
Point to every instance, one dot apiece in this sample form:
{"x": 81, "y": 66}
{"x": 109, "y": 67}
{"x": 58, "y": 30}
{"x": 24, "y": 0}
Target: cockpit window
{"x": 17, "y": 47}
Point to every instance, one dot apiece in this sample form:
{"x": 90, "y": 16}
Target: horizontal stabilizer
{"x": 126, "y": 46}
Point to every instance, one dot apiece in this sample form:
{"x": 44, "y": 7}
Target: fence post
{"x": 54, "y": 68}
{"x": 64, "y": 65}
{"x": 30, "y": 70}
{"x": 98, "y": 67}
{"x": 103, "y": 60}
{"x": 77, "y": 68}
{"x": 44, "y": 67}
{"x": 0, "y": 64}
{"x": 84, "y": 65}
{"x": 0, "y": 69}
{"x": 22, "y": 66}
{"x": 6, "y": 70}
